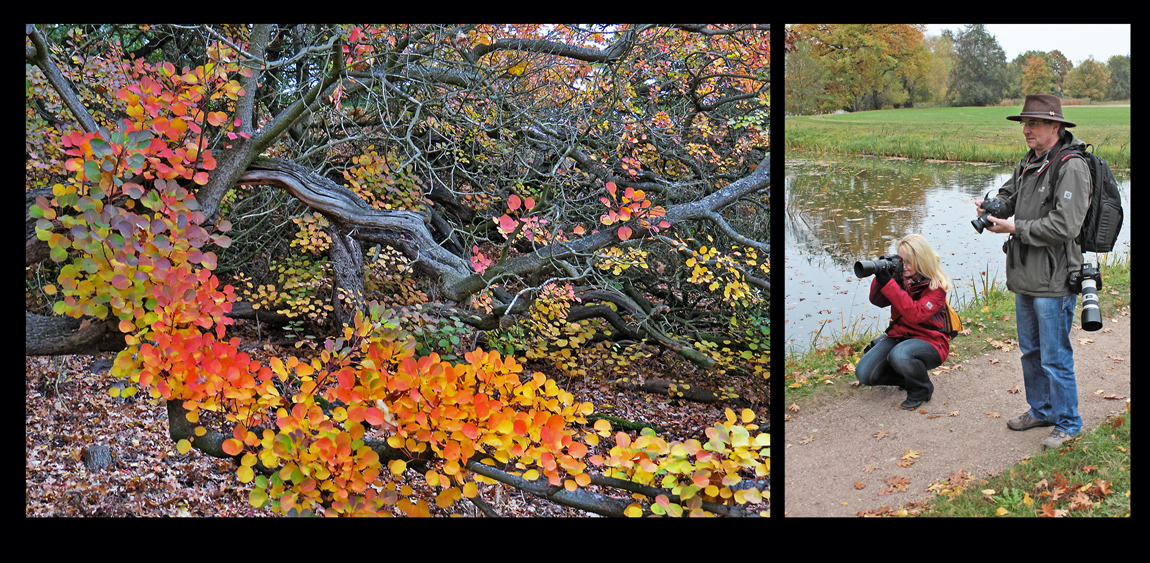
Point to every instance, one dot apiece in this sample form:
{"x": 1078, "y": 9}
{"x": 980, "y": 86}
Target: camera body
{"x": 992, "y": 206}
{"x": 889, "y": 264}
{"x": 1087, "y": 282}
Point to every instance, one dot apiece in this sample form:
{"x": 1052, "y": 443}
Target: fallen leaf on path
{"x": 895, "y": 484}
{"x": 1117, "y": 358}
{"x": 806, "y": 440}
{"x": 904, "y": 463}
{"x": 952, "y": 413}
{"x": 869, "y": 467}
{"x": 1085, "y": 341}
{"x": 1113, "y": 396}
{"x": 881, "y": 434}
{"x": 794, "y": 407}
{"x": 911, "y": 454}
{"x": 1016, "y": 389}
{"x": 993, "y": 415}
{"x": 860, "y": 485}
{"x": 994, "y": 360}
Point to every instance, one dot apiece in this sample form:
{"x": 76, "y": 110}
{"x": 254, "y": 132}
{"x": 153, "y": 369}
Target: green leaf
{"x": 91, "y": 171}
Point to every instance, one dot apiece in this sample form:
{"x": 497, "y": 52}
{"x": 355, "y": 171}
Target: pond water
{"x": 841, "y": 209}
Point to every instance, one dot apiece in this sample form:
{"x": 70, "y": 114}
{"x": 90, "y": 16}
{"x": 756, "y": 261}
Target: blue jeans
{"x": 895, "y": 361}
{"x": 1048, "y": 359}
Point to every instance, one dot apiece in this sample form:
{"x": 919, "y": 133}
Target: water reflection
{"x": 840, "y": 209}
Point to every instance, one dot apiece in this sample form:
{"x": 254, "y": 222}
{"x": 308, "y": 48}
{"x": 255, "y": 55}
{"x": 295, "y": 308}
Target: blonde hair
{"x": 925, "y": 260}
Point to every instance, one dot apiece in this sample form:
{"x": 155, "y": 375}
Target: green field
{"x": 971, "y": 134}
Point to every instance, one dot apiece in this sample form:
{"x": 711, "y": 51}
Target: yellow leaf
{"x": 397, "y": 467}
{"x": 183, "y": 446}
{"x": 1002, "y": 511}
{"x": 633, "y": 511}
{"x": 245, "y": 474}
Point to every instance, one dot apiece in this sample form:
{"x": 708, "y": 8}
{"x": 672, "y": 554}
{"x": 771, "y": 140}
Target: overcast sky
{"x": 1075, "y": 41}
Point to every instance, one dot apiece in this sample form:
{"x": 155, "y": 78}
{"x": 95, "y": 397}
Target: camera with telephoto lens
{"x": 890, "y": 264}
{"x": 992, "y": 206}
{"x": 1088, "y": 282}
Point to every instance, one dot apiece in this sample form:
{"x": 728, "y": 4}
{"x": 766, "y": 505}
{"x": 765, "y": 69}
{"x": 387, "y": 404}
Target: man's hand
{"x": 1004, "y": 226}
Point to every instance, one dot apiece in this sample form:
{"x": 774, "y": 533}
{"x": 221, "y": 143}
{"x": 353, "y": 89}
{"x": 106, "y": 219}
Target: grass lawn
{"x": 972, "y": 134}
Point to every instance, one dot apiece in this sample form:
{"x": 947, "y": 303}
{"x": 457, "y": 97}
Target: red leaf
{"x": 624, "y": 232}
{"x": 513, "y": 202}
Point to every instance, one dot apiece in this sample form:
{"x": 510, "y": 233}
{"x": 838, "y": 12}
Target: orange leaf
{"x": 577, "y": 449}
{"x": 232, "y": 446}
{"x": 374, "y": 416}
{"x": 624, "y": 232}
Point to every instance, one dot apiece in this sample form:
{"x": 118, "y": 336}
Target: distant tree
{"x": 859, "y": 56}
{"x": 978, "y": 77}
{"x": 1089, "y": 80}
{"x": 942, "y": 60}
{"x": 806, "y": 82}
{"x": 1060, "y": 66}
{"x": 1119, "y": 87}
{"x": 1037, "y": 77}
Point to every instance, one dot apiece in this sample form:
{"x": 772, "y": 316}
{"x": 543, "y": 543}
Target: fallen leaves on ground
{"x": 895, "y": 484}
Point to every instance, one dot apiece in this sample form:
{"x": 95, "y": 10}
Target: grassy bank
{"x": 825, "y": 374}
{"x": 964, "y": 134}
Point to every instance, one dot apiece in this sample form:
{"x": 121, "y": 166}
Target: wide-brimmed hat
{"x": 1043, "y": 106}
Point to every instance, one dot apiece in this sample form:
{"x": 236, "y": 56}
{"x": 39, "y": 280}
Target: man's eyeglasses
{"x": 1033, "y": 124}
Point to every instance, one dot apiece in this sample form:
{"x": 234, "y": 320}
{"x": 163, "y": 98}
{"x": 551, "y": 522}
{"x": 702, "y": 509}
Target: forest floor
{"x": 857, "y": 453}
{"x": 68, "y": 408}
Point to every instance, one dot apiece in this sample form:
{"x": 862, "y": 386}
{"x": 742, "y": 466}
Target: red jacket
{"x": 914, "y": 312}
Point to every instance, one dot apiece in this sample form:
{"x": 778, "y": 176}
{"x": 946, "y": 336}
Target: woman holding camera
{"x": 915, "y": 287}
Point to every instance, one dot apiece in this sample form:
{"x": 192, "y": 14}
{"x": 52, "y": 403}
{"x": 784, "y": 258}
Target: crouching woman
{"x": 914, "y": 342}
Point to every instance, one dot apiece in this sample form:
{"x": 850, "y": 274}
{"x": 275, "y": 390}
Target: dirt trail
{"x": 840, "y": 435}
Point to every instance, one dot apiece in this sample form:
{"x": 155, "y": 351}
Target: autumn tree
{"x": 425, "y": 210}
{"x": 867, "y": 59}
{"x": 1089, "y": 80}
{"x": 1037, "y": 76}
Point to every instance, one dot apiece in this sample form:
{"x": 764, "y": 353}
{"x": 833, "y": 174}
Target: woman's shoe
{"x": 911, "y": 404}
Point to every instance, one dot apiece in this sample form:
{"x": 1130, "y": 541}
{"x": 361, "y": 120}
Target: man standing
{"x": 1040, "y": 254}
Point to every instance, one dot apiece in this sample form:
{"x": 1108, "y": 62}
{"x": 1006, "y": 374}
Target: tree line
{"x": 875, "y": 66}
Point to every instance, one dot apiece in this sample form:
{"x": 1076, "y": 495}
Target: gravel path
{"x": 856, "y": 440}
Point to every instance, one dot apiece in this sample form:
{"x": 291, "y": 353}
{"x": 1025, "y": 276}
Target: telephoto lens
{"x": 1091, "y": 316}
{"x": 887, "y": 264}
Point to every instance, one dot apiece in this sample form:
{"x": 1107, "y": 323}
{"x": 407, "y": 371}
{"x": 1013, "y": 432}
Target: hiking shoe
{"x": 911, "y": 404}
{"x": 1026, "y": 422}
{"x": 1056, "y": 438}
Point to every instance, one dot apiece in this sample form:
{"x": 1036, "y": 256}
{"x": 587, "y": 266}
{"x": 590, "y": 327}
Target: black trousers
{"x": 900, "y": 361}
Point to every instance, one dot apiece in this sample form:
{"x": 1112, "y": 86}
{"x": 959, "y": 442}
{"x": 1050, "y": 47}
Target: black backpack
{"x": 1104, "y": 216}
